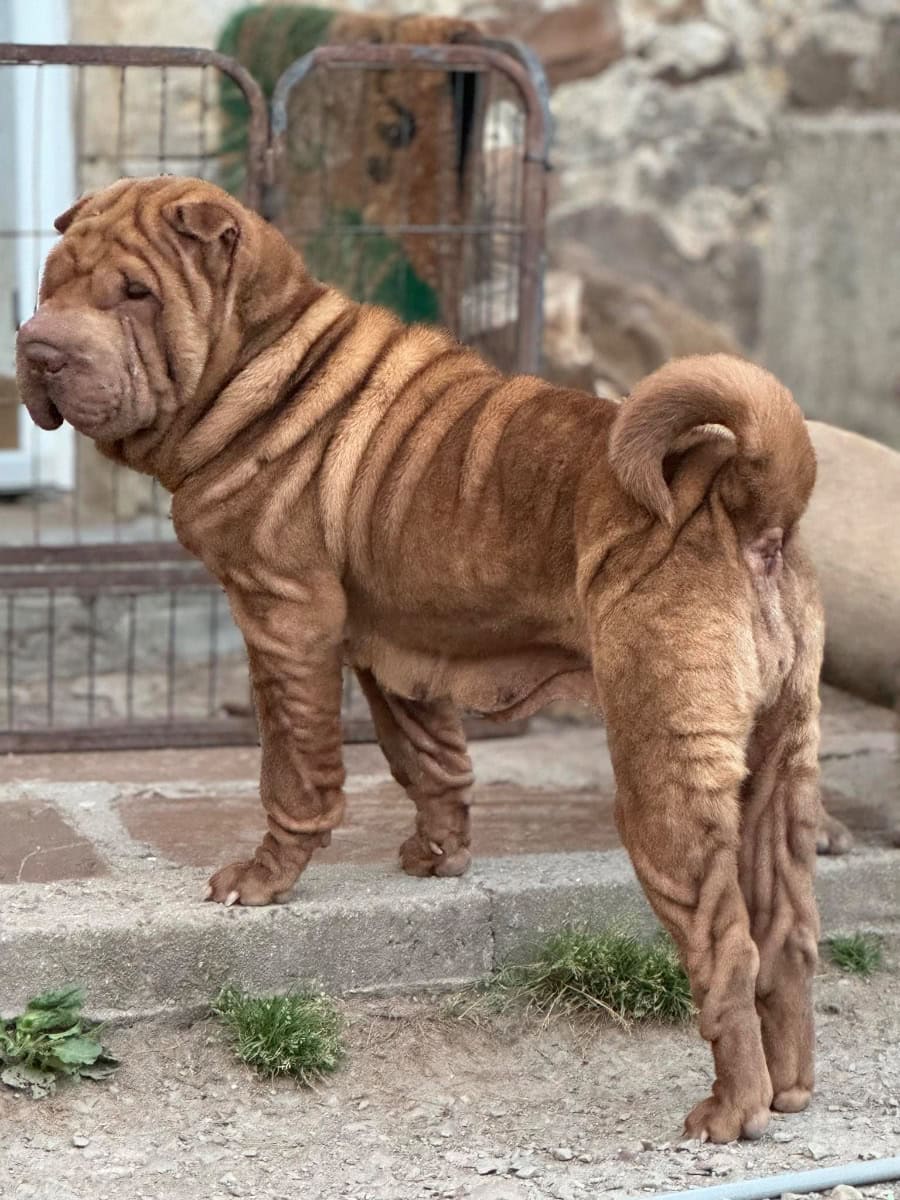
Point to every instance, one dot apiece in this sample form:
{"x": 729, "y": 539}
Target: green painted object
{"x": 368, "y": 266}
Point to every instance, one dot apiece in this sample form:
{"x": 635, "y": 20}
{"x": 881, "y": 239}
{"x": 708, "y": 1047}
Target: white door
{"x": 37, "y": 156}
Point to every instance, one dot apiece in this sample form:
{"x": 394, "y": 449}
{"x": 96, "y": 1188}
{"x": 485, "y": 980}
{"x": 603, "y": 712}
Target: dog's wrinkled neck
{"x": 266, "y": 308}
{"x": 268, "y": 374}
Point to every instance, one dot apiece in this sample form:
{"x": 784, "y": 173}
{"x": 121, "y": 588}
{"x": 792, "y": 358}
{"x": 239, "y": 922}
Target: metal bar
{"x": 10, "y": 666}
{"x": 139, "y": 735}
{"x": 151, "y": 553}
{"x": 201, "y": 127}
{"x": 163, "y": 82}
{"x": 129, "y": 658}
{"x": 51, "y": 653}
{"x": 79, "y": 126}
{"x": 223, "y": 731}
{"x": 167, "y": 56}
{"x": 109, "y": 578}
{"x": 171, "y": 655}
{"x": 120, "y": 124}
{"x": 212, "y": 684}
{"x": 91, "y": 656}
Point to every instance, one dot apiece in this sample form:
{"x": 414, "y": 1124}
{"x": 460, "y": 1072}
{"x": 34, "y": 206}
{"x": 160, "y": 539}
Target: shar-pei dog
{"x": 375, "y": 494}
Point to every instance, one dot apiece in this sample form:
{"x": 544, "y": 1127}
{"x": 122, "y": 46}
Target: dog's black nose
{"x": 41, "y": 356}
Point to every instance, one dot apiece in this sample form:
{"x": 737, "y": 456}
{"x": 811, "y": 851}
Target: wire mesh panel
{"x": 414, "y": 177}
{"x": 109, "y": 633}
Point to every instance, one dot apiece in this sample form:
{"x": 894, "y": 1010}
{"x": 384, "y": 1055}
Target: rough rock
{"x": 831, "y": 65}
{"x": 689, "y": 51}
{"x": 850, "y": 532}
{"x": 604, "y": 332}
{"x": 833, "y": 293}
{"x": 574, "y": 41}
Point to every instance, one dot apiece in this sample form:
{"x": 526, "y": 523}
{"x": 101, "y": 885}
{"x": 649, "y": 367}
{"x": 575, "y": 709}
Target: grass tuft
{"x": 856, "y": 953}
{"x": 298, "y": 1034}
{"x": 615, "y": 971}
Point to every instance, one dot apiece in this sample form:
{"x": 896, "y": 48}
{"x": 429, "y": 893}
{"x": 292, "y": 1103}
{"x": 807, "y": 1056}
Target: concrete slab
{"x": 144, "y": 944}
{"x": 831, "y": 257}
{"x": 39, "y": 845}
{"x": 205, "y": 830}
{"x": 102, "y": 867}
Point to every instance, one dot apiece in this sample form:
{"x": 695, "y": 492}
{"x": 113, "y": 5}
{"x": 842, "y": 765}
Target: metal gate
{"x": 412, "y": 176}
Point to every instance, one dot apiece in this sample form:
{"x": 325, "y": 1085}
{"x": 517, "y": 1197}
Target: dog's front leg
{"x": 293, "y": 635}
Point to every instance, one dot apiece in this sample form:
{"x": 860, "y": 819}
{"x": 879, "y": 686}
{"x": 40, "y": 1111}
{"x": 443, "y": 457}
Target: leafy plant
{"x": 614, "y": 970}
{"x": 856, "y": 953}
{"x": 50, "y": 1040}
{"x": 298, "y": 1034}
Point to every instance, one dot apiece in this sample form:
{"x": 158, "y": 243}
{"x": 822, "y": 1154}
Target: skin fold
{"x": 377, "y": 495}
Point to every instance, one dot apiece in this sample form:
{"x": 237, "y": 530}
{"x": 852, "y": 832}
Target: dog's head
{"x": 145, "y": 305}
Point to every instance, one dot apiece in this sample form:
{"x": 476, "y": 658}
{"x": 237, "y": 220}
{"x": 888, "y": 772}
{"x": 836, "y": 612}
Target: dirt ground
{"x": 430, "y": 1106}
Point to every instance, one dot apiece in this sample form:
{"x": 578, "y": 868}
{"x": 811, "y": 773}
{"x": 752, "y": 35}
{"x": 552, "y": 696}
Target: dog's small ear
{"x": 204, "y": 221}
{"x": 64, "y": 220}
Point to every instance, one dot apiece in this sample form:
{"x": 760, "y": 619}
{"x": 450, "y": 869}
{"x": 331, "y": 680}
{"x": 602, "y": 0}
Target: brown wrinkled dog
{"x": 377, "y": 494}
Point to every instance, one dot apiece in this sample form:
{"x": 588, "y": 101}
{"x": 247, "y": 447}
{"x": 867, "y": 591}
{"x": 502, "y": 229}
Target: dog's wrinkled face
{"x": 136, "y": 303}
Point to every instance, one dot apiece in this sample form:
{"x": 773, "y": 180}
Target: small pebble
{"x": 563, "y": 1153}
{"x": 815, "y": 1152}
{"x": 492, "y": 1166}
{"x": 525, "y": 1171}
{"x": 80, "y": 1140}
{"x": 845, "y": 1192}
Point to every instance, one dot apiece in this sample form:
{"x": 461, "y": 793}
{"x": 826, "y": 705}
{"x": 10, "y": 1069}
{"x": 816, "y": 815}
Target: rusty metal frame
{"x": 526, "y": 76}
{"x": 258, "y": 157}
{"x": 96, "y": 568}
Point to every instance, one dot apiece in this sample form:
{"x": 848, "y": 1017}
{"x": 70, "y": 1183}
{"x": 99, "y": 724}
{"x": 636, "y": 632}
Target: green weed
{"x": 51, "y": 1040}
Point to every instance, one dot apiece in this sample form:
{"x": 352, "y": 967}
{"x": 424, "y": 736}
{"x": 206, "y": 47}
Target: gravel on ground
{"x": 427, "y": 1105}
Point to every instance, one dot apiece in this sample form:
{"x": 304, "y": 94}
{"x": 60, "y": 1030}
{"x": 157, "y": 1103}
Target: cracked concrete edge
{"x": 144, "y": 944}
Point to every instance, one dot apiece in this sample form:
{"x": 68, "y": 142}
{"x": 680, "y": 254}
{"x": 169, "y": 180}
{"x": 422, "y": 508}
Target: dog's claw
{"x": 435, "y": 848}
{"x": 232, "y": 898}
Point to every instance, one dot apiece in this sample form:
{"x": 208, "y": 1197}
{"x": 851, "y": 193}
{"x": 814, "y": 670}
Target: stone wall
{"x": 684, "y": 167}
{"x": 685, "y": 190}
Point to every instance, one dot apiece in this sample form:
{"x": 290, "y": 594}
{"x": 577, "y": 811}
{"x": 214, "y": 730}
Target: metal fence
{"x": 411, "y": 176}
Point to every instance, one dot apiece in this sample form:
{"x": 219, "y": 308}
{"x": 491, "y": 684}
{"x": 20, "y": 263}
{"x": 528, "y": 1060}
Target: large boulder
{"x": 851, "y": 531}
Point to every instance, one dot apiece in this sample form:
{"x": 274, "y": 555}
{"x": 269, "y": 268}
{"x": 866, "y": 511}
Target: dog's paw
{"x": 716, "y": 1120}
{"x": 417, "y": 858}
{"x": 791, "y": 1100}
{"x": 246, "y": 883}
{"x": 832, "y": 837}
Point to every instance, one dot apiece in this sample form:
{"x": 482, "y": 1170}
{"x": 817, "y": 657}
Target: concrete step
{"x": 104, "y": 858}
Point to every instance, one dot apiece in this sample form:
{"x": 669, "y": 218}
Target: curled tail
{"x": 771, "y": 475}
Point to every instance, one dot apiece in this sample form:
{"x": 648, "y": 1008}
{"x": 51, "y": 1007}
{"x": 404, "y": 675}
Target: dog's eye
{"x": 135, "y": 290}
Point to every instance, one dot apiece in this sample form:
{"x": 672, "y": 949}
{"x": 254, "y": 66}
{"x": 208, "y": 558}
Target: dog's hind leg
{"x": 678, "y": 725}
{"x": 781, "y": 812}
{"x": 425, "y": 745}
